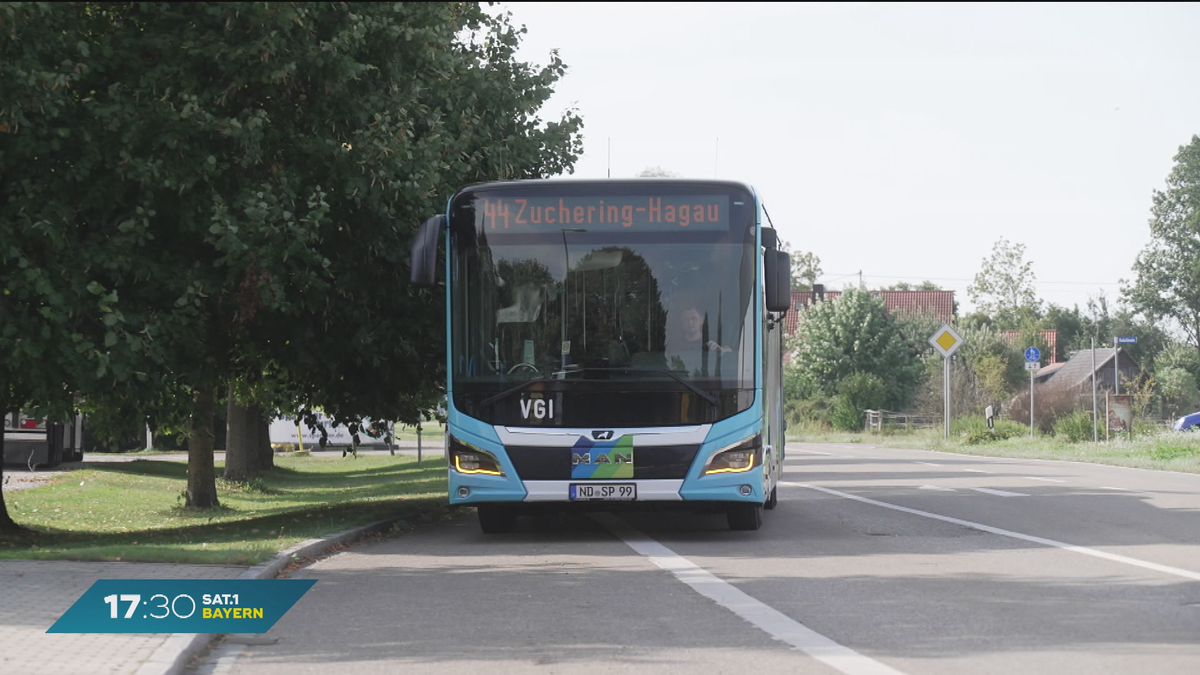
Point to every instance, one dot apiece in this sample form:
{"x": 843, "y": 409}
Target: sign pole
{"x": 946, "y": 395}
{"x": 1116, "y": 370}
{"x": 1031, "y": 403}
{"x": 1033, "y": 357}
{"x": 946, "y": 341}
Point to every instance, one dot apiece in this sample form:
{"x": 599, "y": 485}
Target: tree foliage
{"x": 852, "y": 335}
{"x": 194, "y": 193}
{"x": 905, "y": 286}
{"x": 1003, "y": 287}
{"x": 1167, "y": 283}
{"x": 806, "y": 267}
{"x": 657, "y": 172}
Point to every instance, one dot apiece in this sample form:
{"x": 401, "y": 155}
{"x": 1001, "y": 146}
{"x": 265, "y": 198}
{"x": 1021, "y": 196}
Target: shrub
{"x": 856, "y": 393}
{"x": 1050, "y": 403}
{"x": 974, "y": 430}
{"x": 1077, "y": 426}
{"x": 806, "y": 416}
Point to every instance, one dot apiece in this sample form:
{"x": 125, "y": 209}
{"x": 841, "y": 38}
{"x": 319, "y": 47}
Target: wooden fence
{"x": 878, "y": 420}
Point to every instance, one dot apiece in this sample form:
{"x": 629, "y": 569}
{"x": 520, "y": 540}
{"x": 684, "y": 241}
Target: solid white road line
{"x": 978, "y": 471}
{"x": 928, "y": 463}
{"x": 1048, "y": 480}
{"x": 999, "y": 493}
{"x": 773, "y": 622}
{"x": 1145, "y": 564}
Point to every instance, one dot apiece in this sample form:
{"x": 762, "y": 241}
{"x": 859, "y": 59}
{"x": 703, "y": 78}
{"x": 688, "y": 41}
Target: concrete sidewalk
{"x": 35, "y": 593}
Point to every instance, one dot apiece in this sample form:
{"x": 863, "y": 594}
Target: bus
{"x": 610, "y": 343}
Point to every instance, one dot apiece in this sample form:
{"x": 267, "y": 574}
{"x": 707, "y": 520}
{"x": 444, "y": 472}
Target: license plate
{"x": 607, "y": 492}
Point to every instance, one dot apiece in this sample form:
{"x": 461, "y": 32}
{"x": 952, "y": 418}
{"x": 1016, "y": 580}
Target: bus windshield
{"x": 569, "y": 303}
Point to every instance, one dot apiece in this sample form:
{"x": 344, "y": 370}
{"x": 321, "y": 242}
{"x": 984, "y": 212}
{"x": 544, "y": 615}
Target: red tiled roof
{"x": 1050, "y": 335}
{"x": 938, "y": 303}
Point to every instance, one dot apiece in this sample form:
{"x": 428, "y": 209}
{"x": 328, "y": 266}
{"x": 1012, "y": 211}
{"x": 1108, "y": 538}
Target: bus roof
{"x": 609, "y": 182}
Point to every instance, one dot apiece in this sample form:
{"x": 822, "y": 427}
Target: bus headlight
{"x": 737, "y": 458}
{"x": 468, "y": 459}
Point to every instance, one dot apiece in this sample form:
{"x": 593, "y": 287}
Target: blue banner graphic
{"x": 182, "y": 606}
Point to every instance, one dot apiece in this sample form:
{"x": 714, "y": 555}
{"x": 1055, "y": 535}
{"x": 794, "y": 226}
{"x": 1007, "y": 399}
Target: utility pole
{"x": 1095, "y": 432}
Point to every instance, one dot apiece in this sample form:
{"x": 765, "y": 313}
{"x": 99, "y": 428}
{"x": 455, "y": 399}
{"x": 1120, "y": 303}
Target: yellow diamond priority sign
{"x": 945, "y": 340}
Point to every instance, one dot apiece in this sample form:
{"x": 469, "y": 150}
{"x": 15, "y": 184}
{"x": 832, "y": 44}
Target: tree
{"x": 806, "y": 268}
{"x": 1167, "y": 285}
{"x": 657, "y": 172}
{"x": 853, "y": 335}
{"x": 1003, "y": 287}
{"x": 200, "y": 193}
{"x": 905, "y": 286}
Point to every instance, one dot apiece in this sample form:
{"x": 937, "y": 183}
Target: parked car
{"x": 1188, "y": 422}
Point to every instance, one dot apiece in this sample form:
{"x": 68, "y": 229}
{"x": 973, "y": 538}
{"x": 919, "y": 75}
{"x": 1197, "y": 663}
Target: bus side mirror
{"x": 770, "y": 239}
{"x": 777, "y": 278}
{"x": 424, "y": 252}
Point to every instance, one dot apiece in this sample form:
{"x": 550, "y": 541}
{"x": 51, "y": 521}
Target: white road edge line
{"x": 771, "y": 621}
{"x": 1166, "y": 569}
{"x": 999, "y": 493}
{"x": 1048, "y": 480}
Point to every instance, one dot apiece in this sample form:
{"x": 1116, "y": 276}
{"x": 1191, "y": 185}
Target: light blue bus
{"x": 610, "y": 342}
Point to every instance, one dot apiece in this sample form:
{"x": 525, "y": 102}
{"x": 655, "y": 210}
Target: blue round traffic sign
{"x": 1033, "y": 354}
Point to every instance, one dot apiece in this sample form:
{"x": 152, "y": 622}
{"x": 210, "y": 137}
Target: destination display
{"x": 654, "y": 213}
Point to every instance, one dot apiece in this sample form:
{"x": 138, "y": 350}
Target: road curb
{"x": 171, "y": 658}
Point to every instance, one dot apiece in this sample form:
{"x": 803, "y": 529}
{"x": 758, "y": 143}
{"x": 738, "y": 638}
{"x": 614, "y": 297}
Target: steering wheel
{"x": 524, "y": 364}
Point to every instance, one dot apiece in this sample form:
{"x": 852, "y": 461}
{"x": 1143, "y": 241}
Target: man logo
{"x": 605, "y": 435}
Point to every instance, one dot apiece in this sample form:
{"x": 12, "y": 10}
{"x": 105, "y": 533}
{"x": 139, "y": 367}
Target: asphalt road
{"x": 876, "y": 560}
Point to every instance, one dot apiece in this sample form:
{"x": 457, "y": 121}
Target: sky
{"x": 897, "y": 142}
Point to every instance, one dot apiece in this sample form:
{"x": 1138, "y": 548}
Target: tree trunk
{"x": 202, "y": 478}
{"x": 266, "y": 454}
{"x": 239, "y": 446}
{"x": 7, "y": 524}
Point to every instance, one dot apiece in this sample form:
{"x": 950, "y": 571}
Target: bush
{"x": 1077, "y": 426}
{"x": 856, "y": 393}
{"x": 807, "y": 416}
{"x": 1050, "y": 403}
{"x": 974, "y": 430}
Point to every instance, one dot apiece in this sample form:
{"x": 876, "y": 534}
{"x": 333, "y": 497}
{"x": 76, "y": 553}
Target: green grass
{"x": 1167, "y": 451}
{"x": 134, "y": 511}
{"x": 431, "y": 432}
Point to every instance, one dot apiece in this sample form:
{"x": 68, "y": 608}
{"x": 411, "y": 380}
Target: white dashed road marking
{"x": 775, "y": 623}
{"x": 1083, "y": 550}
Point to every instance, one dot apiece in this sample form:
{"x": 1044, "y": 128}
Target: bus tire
{"x": 744, "y": 516}
{"x": 496, "y": 519}
{"x": 773, "y": 500}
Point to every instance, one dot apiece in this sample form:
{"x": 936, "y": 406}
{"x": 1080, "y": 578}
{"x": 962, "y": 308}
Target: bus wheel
{"x": 773, "y": 499}
{"x": 743, "y": 516}
{"x": 494, "y": 519}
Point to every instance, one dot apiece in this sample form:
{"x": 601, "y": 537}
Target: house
{"x": 939, "y": 304}
{"x": 1076, "y": 373}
